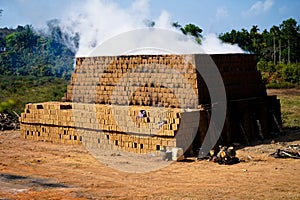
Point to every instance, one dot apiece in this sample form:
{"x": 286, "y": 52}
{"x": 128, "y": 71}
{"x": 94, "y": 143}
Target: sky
{"x": 97, "y": 21}
{"x": 213, "y": 16}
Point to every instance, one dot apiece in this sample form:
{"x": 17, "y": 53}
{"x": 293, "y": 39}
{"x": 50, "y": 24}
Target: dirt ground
{"x": 290, "y": 92}
{"x": 39, "y": 170}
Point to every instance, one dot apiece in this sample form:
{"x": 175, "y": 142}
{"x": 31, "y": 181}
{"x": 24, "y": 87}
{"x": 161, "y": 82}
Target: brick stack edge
{"x": 107, "y": 91}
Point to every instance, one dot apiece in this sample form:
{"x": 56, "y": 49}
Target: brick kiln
{"x": 107, "y": 93}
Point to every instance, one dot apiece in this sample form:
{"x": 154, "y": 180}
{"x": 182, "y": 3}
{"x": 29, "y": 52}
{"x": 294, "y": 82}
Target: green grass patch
{"x": 281, "y": 85}
{"x": 30, "y": 89}
{"x": 290, "y": 110}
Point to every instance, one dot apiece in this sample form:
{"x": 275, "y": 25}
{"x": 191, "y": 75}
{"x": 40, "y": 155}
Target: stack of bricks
{"x": 135, "y": 80}
{"x": 50, "y": 121}
{"x": 239, "y": 75}
{"x": 103, "y": 125}
{"x": 106, "y": 94}
{"x": 161, "y": 80}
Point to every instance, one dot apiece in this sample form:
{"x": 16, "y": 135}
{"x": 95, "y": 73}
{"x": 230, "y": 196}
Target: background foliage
{"x": 277, "y": 51}
{"x": 34, "y": 53}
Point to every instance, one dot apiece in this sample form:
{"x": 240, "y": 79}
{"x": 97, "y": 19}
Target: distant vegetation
{"x": 16, "y": 91}
{"x": 277, "y": 51}
{"x": 29, "y": 53}
{"x": 36, "y": 66}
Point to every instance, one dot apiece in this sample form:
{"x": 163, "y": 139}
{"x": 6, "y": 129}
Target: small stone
{"x": 273, "y": 142}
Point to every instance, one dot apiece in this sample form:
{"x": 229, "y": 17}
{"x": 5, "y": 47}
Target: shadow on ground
{"x": 288, "y": 135}
{"x": 30, "y": 181}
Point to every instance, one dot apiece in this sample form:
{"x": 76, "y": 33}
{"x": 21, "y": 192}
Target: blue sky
{"x": 214, "y": 16}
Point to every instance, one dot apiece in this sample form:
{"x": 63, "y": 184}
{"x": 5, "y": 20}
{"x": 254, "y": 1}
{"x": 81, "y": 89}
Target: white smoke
{"x": 96, "y": 21}
{"x": 164, "y": 20}
{"x": 212, "y": 45}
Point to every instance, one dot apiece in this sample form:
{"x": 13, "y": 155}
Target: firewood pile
{"x": 225, "y": 155}
{"x": 291, "y": 151}
{"x": 9, "y": 121}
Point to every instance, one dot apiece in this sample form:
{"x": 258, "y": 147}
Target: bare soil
{"x": 39, "y": 170}
{"x": 287, "y": 92}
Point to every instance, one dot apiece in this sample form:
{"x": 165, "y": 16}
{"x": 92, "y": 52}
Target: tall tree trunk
{"x": 274, "y": 50}
{"x": 289, "y": 52}
{"x": 280, "y": 50}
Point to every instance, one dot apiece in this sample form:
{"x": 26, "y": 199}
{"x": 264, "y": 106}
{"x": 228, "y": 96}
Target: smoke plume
{"x": 96, "y": 21}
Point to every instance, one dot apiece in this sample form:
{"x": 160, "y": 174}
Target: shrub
{"x": 280, "y": 85}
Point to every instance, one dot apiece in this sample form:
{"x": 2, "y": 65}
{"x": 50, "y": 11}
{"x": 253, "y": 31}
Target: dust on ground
{"x": 41, "y": 170}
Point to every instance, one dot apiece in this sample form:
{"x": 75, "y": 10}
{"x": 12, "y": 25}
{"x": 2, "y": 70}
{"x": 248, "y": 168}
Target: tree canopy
{"x": 280, "y": 44}
{"x": 190, "y": 29}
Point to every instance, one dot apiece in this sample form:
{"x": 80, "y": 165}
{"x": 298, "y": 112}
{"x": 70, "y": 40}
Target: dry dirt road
{"x": 39, "y": 170}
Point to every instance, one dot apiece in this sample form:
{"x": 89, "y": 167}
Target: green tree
{"x": 193, "y": 30}
{"x": 257, "y": 41}
{"x": 291, "y": 73}
{"x": 190, "y": 29}
{"x": 290, "y": 35}
{"x": 275, "y": 33}
{"x": 281, "y": 43}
